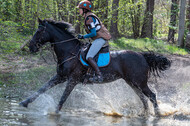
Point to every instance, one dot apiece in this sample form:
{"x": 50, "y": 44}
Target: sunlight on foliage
{"x": 146, "y": 45}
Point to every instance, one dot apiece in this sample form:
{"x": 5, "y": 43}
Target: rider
{"x": 96, "y": 31}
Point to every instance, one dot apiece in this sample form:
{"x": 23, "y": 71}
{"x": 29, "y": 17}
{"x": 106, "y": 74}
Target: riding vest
{"x": 101, "y": 31}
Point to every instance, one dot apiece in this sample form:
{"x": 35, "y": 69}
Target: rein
{"x": 75, "y": 55}
{"x": 63, "y": 41}
{"x": 70, "y": 58}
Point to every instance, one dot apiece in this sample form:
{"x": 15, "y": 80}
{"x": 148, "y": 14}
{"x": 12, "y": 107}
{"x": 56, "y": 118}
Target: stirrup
{"x": 96, "y": 78}
{"x": 100, "y": 79}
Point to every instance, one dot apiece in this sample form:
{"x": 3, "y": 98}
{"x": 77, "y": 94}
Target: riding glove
{"x": 80, "y": 36}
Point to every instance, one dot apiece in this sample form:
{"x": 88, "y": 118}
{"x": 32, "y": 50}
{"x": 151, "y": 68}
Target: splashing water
{"x": 44, "y": 105}
{"x": 93, "y": 102}
{"x": 118, "y": 98}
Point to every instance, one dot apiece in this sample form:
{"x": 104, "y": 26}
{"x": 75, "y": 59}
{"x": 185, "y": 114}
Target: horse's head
{"x": 40, "y": 37}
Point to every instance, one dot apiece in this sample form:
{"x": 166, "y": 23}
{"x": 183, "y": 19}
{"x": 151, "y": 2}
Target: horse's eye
{"x": 40, "y": 29}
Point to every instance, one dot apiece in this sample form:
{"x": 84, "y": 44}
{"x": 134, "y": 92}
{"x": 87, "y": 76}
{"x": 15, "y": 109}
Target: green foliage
{"x": 6, "y": 10}
{"x": 9, "y": 47}
{"x": 26, "y": 12}
{"x": 7, "y": 29}
{"x": 6, "y": 78}
{"x": 147, "y": 44}
{"x": 34, "y": 76}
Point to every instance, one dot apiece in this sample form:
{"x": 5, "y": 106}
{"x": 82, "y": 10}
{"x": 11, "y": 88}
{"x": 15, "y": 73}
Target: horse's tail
{"x": 156, "y": 62}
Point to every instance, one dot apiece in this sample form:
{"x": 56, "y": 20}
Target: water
{"x": 109, "y": 104}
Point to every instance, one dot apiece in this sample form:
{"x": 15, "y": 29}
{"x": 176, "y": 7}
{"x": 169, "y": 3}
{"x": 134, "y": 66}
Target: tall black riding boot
{"x": 97, "y": 70}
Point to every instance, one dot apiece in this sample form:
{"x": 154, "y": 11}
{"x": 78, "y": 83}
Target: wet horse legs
{"x": 51, "y": 83}
{"x": 152, "y": 98}
{"x": 70, "y": 86}
{"x": 142, "y": 98}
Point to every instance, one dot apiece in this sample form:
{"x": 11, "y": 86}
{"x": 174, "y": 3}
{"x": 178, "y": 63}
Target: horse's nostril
{"x": 33, "y": 49}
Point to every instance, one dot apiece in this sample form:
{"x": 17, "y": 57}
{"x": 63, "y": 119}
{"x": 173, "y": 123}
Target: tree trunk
{"x": 114, "y": 21}
{"x": 18, "y": 10}
{"x": 187, "y": 43}
{"x": 181, "y": 24}
{"x": 78, "y": 24}
{"x": 55, "y": 10}
{"x": 61, "y": 10}
{"x": 71, "y": 11}
{"x": 174, "y": 12}
{"x": 103, "y": 15}
{"x": 135, "y": 19}
{"x": 26, "y": 11}
{"x": 188, "y": 16}
{"x": 147, "y": 29}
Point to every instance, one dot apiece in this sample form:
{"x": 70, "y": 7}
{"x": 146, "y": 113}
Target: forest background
{"x": 168, "y": 20}
{"x": 158, "y": 25}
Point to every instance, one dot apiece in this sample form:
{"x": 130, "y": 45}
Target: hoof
{"x": 157, "y": 113}
{"x": 23, "y": 104}
{"x": 57, "y": 111}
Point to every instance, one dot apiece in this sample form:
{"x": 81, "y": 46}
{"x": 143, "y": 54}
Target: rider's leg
{"x": 96, "y": 68}
{"x": 94, "y": 49}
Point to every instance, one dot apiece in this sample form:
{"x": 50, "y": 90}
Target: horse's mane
{"x": 62, "y": 25}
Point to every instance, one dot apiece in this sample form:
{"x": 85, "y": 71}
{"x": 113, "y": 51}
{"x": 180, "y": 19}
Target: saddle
{"x": 102, "y": 58}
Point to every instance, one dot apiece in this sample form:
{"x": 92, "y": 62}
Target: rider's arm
{"x": 92, "y": 30}
{"x": 91, "y": 34}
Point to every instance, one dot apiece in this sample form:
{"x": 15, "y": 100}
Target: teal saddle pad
{"x": 103, "y": 60}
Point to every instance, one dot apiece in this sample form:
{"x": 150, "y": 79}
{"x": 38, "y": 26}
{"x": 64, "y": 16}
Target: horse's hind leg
{"x": 142, "y": 98}
{"x": 152, "y": 98}
{"x": 52, "y": 82}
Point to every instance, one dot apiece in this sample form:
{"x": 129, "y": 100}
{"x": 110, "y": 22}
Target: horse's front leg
{"x": 51, "y": 83}
{"x": 70, "y": 86}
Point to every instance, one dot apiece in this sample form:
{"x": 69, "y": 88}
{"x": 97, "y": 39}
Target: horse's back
{"x": 128, "y": 57}
{"x": 129, "y": 63}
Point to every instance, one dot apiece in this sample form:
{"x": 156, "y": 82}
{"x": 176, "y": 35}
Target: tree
{"x": 172, "y": 26}
{"x": 181, "y": 23}
{"x": 135, "y": 12}
{"x": 18, "y": 10}
{"x": 6, "y": 10}
{"x": 114, "y": 21}
{"x": 104, "y": 12}
{"x": 188, "y": 16}
{"x": 187, "y": 44}
{"x": 147, "y": 28}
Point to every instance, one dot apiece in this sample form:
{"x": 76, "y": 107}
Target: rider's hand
{"x": 80, "y": 36}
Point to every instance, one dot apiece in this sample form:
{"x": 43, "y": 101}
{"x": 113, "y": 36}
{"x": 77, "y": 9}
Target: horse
{"x": 134, "y": 67}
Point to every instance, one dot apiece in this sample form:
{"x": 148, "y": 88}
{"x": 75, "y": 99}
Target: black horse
{"x": 133, "y": 67}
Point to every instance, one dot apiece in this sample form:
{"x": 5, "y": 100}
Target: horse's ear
{"x": 39, "y": 20}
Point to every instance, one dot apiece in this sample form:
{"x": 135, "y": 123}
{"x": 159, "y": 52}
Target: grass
{"x": 147, "y": 44}
{"x": 20, "y": 82}
{"x": 9, "y": 47}
{"x": 36, "y": 75}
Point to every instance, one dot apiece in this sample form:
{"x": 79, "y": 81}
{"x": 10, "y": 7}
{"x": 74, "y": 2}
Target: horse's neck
{"x": 65, "y": 48}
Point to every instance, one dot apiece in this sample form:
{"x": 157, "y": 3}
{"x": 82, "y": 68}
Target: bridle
{"x": 39, "y": 44}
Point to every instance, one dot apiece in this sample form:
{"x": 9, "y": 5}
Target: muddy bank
{"x": 20, "y": 74}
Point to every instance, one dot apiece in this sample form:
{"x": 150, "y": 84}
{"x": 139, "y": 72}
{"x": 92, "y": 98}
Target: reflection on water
{"x": 90, "y": 113}
{"x": 89, "y": 105}
{"x": 12, "y": 114}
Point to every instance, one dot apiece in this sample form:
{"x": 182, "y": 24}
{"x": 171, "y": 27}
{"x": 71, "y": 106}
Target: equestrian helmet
{"x": 85, "y": 5}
